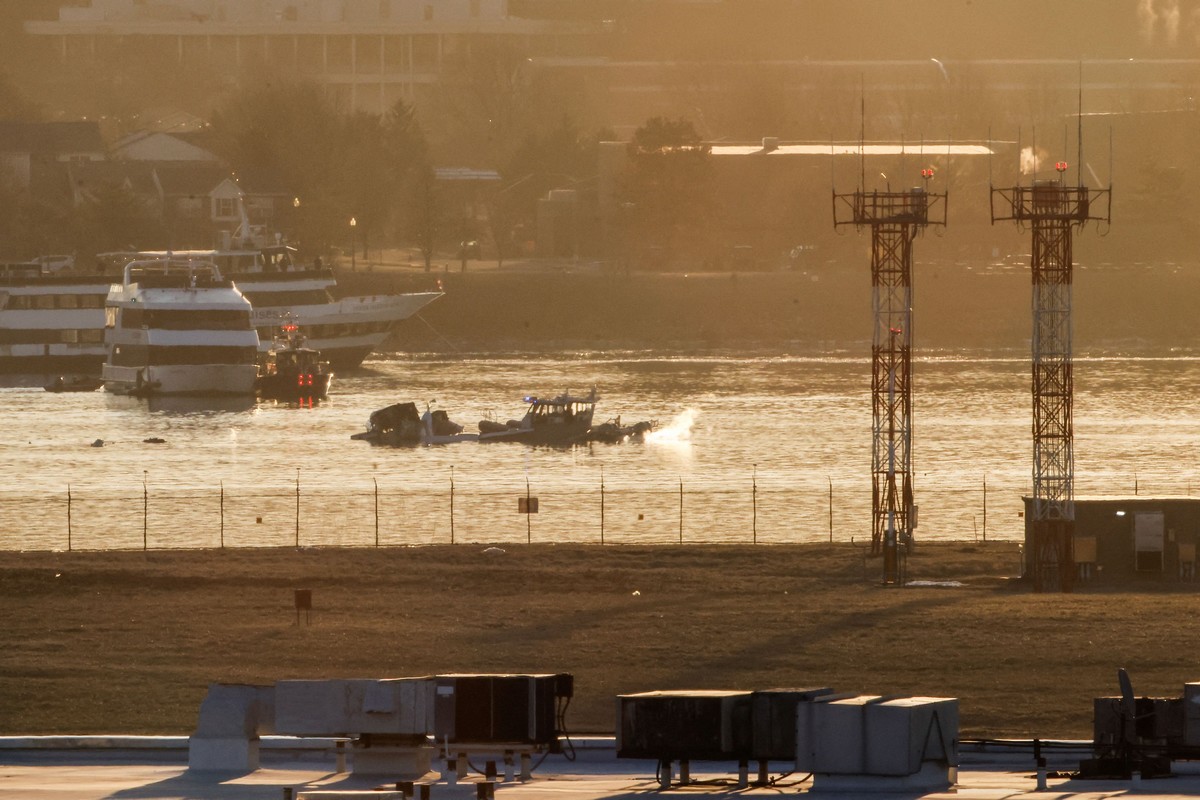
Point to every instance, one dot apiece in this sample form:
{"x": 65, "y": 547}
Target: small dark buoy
{"x": 98, "y": 443}
{"x": 154, "y": 440}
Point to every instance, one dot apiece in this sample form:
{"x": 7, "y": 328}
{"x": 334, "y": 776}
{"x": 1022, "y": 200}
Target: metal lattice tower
{"x": 1052, "y": 210}
{"x": 895, "y": 219}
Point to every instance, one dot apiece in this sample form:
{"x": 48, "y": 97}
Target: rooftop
{"x": 154, "y": 768}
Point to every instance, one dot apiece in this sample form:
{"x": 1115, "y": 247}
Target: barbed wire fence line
{"x": 371, "y": 514}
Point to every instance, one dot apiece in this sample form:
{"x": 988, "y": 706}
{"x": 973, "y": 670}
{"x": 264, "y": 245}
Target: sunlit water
{"x": 752, "y": 449}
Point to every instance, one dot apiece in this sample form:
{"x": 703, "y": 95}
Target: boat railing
{"x": 192, "y": 269}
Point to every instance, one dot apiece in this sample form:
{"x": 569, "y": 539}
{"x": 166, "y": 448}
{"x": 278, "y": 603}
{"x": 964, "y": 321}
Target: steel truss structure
{"x": 1052, "y": 210}
{"x": 895, "y": 219}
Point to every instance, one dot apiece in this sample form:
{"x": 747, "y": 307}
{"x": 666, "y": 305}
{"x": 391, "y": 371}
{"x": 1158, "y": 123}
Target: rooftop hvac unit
{"x": 1191, "y": 714}
{"x": 774, "y": 715}
{"x": 829, "y": 734}
{"x": 685, "y": 725}
{"x": 874, "y": 743}
{"x": 396, "y": 708}
{"x": 904, "y": 734}
{"x": 501, "y": 709}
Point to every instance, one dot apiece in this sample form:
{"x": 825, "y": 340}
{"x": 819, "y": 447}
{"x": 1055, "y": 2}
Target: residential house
{"x": 26, "y": 146}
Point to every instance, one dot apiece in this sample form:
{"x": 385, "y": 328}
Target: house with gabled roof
{"x": 203, "y": 202}
{"x": 159, "y": 146}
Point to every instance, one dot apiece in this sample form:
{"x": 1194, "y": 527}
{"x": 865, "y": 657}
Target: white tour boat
{"x": 176, "y": 326}
{"x": 282, "y": 290}
{"x": 53, "y": 322}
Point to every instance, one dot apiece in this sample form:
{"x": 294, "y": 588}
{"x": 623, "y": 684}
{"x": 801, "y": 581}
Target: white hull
{"x": 354, "y": 323}
{"x": 348, "y": 329}
{"x": 194, "y": 379}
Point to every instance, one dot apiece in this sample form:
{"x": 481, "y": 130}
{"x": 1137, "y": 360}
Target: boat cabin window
{"x": 185, "y": 320}
{"x": 305, "y": 297}
{"x": 25, "y": 302}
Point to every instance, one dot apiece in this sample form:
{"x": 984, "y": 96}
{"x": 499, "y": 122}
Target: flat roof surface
{"x": 41, "y": 774}
{"x": 917, "y": 149}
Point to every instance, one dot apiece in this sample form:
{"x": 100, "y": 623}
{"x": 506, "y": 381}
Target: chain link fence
{"x": 366, "y": 514}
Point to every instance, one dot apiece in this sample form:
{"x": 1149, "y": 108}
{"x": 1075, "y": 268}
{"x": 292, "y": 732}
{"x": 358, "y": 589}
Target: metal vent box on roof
{"x": 685, "y": 725}
{"x": 774, "y": 715}
{"x": 496, "y": 709}
{"x": 402, "y": 706}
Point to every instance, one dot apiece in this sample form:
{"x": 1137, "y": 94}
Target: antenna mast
{"x": 895, "y": 219}
{"x": 1053, "y": 211}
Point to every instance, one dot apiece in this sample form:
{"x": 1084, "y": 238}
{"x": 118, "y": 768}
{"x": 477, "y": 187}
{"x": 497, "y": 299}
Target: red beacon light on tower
{"x": 927, "y": 173}
{"x": 1060, "y": 166}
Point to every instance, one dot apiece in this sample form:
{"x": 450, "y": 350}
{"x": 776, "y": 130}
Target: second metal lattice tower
{"x": 1052, "y": 210}
{"x": 895, "y": 219}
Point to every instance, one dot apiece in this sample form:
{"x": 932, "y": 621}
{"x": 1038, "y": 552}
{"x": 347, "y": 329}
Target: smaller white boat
{"x": 562, "y": 420}
{"x": 175, "y": 326}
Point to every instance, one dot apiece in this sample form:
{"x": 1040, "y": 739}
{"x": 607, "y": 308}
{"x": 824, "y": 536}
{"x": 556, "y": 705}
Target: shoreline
{"x": 820, "y": 311}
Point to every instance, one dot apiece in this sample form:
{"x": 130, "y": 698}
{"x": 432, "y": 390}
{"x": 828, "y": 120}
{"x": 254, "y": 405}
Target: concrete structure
{"x": 1127, "y": 537}
{"x": 232, "y": 716}
{"x": 371, "y": 52}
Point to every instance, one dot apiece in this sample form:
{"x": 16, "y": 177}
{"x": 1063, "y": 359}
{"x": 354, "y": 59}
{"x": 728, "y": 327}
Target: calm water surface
{"x": 771, "y": 437}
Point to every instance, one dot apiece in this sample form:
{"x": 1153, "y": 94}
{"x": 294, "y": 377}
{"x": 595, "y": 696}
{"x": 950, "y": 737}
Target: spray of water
{"x": 678, "y": 431}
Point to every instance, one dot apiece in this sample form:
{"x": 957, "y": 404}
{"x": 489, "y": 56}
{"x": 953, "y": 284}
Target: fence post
{"x": 68, "y": 517}
{"x": 681, "y": 510}
{"x": 222, "y": 487}
{"x": 830, "y": 509}
{"x": 145, "y": 512}
{"x": 376, "y": 482}
{"x": 528, "y": 515}
{"x": 754, "y": 503}
{"x": 297, "y": 506}
{"x": 451, "y": 504}
{"x": 601, "y": 504}
{"x": 985, "y": 508}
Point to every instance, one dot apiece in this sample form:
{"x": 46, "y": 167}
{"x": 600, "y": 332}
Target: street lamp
{"x": 353, "y": 262}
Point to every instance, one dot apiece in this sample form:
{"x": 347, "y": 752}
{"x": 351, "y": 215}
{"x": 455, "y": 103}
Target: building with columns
{"x": 370, "y": 53}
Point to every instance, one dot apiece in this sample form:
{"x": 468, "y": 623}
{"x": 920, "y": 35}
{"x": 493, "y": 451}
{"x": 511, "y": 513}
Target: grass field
{"x": 127, "y": 642}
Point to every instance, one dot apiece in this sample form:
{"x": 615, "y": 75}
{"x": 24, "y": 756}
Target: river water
{"x": 767, "y": 448}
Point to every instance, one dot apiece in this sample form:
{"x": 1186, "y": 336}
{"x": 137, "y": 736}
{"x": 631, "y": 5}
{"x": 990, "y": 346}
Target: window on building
{"x": 226, "y": 207}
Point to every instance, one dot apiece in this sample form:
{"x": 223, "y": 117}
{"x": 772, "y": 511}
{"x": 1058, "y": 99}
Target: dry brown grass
{"x": 127, "y": 642}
